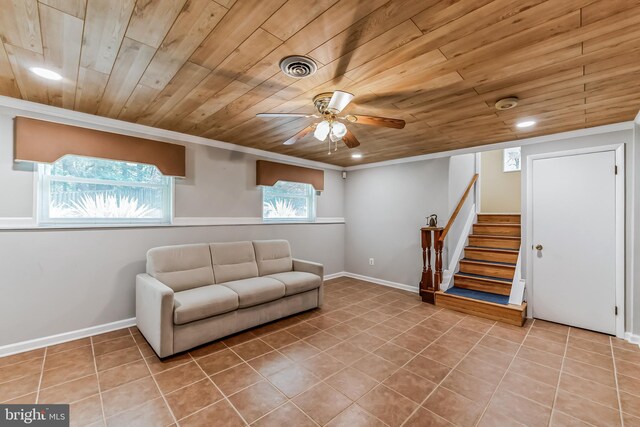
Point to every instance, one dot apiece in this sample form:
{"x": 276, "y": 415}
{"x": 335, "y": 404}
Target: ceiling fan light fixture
{"x": 339, "y": 100}
{"x": 338, "y": 129}
{"x": 322, "y": 130}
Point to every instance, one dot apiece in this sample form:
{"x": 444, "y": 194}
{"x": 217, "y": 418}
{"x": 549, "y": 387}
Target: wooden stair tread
{"x": 496, "y": 250}
{"x": 483, "y": 278}
{"x": 488, "y": 263}
{"x": 494, "y": 236}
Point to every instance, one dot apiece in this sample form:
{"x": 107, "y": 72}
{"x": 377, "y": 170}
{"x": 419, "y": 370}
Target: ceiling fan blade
{"x": 290, "y": 115}
{"x": 375, "y": 121}
{"x": 350, "y": 140}
{"x": 339, "y": 100}
{"x": 299, "y": 135}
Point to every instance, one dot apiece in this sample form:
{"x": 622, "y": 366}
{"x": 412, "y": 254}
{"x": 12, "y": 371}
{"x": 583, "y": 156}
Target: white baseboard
{"x": 334, "y": 275}
{"x": 377, "y": 281}
{"x": 23, "y": 346}
{"x": 633, "y": 339}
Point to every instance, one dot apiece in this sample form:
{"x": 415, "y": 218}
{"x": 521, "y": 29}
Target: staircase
{"x": 483, "y": 283}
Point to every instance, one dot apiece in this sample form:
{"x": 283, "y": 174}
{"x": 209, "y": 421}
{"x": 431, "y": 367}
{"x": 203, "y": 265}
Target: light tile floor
{"x": 372, "y": 356}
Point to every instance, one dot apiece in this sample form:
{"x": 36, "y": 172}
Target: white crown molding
{"x": 501, "y": 145}
{"x": 7, "y": 350}
{"x": 28, "y": 223}
{"x": 637, "y": 119}
{"x": 13, "y": 106}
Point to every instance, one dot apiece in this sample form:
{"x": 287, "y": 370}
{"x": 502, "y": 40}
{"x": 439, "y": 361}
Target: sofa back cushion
{"x": 273, "y": 256}
{"x": 181, "y": 267}
{"x": 233, "y": 261}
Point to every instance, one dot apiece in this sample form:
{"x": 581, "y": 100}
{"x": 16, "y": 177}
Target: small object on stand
{"x": 432, "y": 220}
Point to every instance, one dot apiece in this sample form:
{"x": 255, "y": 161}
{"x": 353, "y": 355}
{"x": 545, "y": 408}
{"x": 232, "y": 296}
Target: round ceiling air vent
{"x": 298, "y": 66}
{"x": 506, "y": 103}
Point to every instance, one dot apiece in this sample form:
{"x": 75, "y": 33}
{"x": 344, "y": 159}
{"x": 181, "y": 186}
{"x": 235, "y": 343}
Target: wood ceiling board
{"x": 152, "y": 19}
{"x": 8, "y": 85}
{"x": 104, "y": 27}
{"x": 75, "y": 8}
{"x": 194, "y": 23}
{"x": 20, "y": 24}
{"x": 61, "y": 42}
{"x": 207, "y": 67}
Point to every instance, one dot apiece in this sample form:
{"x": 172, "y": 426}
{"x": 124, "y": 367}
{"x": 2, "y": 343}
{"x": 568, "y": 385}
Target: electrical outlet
{"x": 371, "y": 261}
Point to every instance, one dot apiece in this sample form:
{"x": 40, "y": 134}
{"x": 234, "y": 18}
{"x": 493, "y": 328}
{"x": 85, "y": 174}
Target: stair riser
{"x": 497, "y": 230}
{"x": 480, "y": 285}
{"x": 491, "y": 242}
{"x": 480, "y": 255}
{"x": 481, "y": 309}
{"x": 503, "y": 219}
{"x": 501, "y": 271}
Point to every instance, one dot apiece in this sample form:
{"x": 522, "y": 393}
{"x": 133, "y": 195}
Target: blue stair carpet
{"x": 479, "y": 295}
{"x": 499, "y": 279}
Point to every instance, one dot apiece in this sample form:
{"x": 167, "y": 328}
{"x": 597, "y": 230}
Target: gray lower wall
{"x": 56, "y": 281}
{"x": 385, "y": 208}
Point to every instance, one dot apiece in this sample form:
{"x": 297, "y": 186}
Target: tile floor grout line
{"x": 154, "y": 381}
{"x": 95, "y": 367}
{"x": 564, "y": 357}
{"x": 615, "y": 377}
{"x": 515, "y": 354}
{"x": 224, "y": 396}
{"x": 44, "y": 358}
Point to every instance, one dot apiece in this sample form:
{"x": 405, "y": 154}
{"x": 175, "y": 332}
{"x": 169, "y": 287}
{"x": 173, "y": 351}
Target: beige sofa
{"x": 193, "y": 294}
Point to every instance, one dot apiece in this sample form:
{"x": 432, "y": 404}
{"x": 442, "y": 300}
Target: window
{"x": 511, "y": 159}
{"x": 82, "y": 190}
{"x": 289, "y": 201}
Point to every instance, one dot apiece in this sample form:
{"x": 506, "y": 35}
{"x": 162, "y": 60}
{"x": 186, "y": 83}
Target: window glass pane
{"x": 288, "y": 200}
{"x": 78, "y": 189}
{"x": 83, "y": 167}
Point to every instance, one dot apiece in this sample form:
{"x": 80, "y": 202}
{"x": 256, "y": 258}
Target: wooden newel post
{"x": 438, "y": 244}
{"x": 427, "y": 288}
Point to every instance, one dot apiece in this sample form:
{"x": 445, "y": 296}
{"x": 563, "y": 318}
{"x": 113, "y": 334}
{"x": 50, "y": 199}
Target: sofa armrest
{"x": 313, "y": 268}
{"x": 154, "y": 313}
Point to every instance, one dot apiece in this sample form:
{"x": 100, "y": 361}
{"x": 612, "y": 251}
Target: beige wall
{"x": 499, "y": 191}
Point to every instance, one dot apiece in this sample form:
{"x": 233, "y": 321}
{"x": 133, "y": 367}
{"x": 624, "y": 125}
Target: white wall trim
{"x": 33, "y": 344}
{"x": 382, "y": 282}
{"x": 27, "y": 223}
{"x": 517, "y": 285}
{"x": 620, "y": 223}
{"x": 500, "y": 145}
{"x": 633, "y": 339}
{"x": 334, "y": 275}
{"x": 447, "y": 275}
{"x": 13, "y": 106}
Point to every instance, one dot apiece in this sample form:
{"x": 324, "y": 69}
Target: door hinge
{"x": 616, "y": 310}
{"x": 616, "y": 170}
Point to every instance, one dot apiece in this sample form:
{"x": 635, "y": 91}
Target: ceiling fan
{"x": 329, "y": 106}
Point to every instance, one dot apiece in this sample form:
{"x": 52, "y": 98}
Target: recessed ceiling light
{"x": 356, "y": 156}
{"x": 45, "y": 73}
{"x": 526, "y": 124}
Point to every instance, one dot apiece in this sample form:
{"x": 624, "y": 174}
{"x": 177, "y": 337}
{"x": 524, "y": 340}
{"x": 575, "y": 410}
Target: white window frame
{"x": 311, "y": 197}
{"x": 45, "y": 179}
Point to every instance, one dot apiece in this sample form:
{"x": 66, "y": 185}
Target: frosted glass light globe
{"x": 339, "y": 130}
{"x": 322, "y": 130}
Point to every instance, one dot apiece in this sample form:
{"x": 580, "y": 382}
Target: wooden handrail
{"x": 458, "y": 208}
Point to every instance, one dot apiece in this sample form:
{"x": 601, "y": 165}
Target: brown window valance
{"x": 45, "y": 142}
{"x": 268, "y": 173}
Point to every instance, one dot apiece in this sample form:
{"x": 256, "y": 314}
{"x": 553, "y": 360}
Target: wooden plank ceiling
{"x": 206, "y": 67}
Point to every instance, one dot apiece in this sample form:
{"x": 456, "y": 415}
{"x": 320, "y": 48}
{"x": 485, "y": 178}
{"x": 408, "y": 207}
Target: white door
{"x": 574, "y": 239}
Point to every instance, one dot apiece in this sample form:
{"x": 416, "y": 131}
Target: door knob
{"x": 539, "y": 247}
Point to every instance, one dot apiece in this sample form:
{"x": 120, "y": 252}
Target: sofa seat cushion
{"x": 296, "y": 282}
{"x": 200, "y": 303}
{"x": 256, "y": 290}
